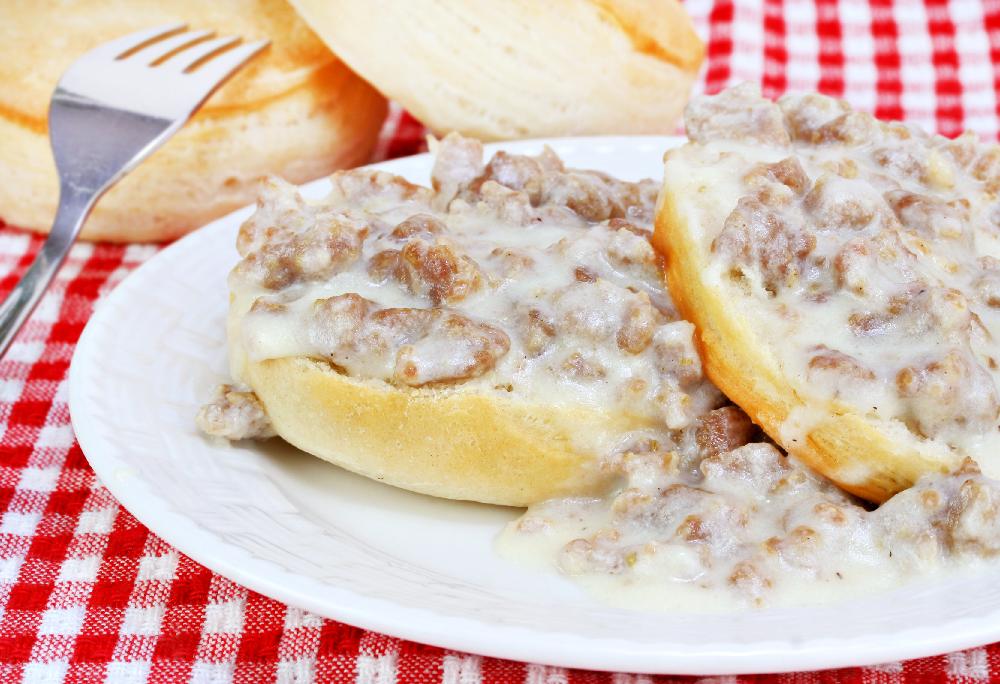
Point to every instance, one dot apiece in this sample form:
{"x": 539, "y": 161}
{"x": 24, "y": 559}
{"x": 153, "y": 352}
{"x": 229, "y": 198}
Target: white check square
{"x": 62, "y": 621}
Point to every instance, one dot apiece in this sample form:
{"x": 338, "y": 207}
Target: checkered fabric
{"x": 87, "y": 594}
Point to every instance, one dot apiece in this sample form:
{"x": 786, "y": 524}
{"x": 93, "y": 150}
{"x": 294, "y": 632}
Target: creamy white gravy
{"x": 752, "y": 528}
{"x": 868, "y": 252}
{"x": 518, "y": 278}
{"x": 537, "y": 283}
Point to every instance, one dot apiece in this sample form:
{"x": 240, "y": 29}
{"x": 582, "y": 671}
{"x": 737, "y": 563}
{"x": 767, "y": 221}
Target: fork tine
{"x": 219, "y": 68}
{"x": 115, "y": 48}
{"x": 188, "y": 58}
{"x": 107, "y": 114}
{"x": 162, "y": 48}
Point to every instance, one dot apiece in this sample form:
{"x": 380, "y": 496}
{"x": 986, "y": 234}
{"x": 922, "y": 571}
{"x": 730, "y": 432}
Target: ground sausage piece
{"x": 631, "y": 253}
{"x": 836, "y": 203}
{"x": 853, "y": 128}
{"x": 596, "y": 196}
{"x": 852, "y": 265}
{"x": 696, "y": 515}
{"x": 962, "y": 149}
{"x": 590, "y": 307}
{"x": 915, "y": 311}
{"x": 861, "y": 263}
{"x": 235, "y": 414}
{"x": 513, "y": 262}
{"x": 723, "y": 430}
{"x": 510, "y": 206}
{"x": 825, "y": 359}
{"x": 458, "y": 162}
{"x": 514, "y": 171}
{"x": 268, "y": 305}
{"x": 956, "y": 514}
{"x": 818, "y": 119}
{"x": 358, "y": 186}
{"x": 437, "y": 271}
{"x": 910, "y": 312}
{"x": 421, "y": 345}
{"x": 623, "y": 224}
{"x": 389, "y": 265}
{"x": 588, "y": 555}
{"x": 638, "y": 327}
{"x": 748, "y": 579}
{"x": 403, "y": 324}
{"x": 801, "y": 547}
{"x": 928, "y": 216}
{"x": 539, "y": 332}
{"x": 987, "y": 284}
{"x": 735, "y": 114}
{"x": 676, "y": 357}
{"x": 900, "y": 162}
{"x": 986, "y": 167}
{"x": 753, "y": 235}
{"x": 787, "y": 172}
{"x": 758, "y": 465}
{"x": 329, "y": 246}
{"x": 422, "y": 225}
{"x": 585, "y": 193}
{"x": 973, "y": 519}
{"x": 641, "y": 204}
{"x": 338, "y": 327}
{"x": 281, "y": 211}
{"x": 952, "y": 390}
{"x": 583, "y": 367}
{"x": 451, "y": 347}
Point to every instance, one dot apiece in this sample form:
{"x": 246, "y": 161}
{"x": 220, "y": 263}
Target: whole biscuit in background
{"x": 296, "y": 111}
{"x": 519, "y": 68}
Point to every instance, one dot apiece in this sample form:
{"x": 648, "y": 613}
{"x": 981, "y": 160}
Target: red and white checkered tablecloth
{"x": 87, "y": 594}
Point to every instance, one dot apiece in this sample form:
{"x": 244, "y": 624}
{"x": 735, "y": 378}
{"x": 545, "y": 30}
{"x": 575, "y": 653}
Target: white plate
{"x": 294, "y": 528}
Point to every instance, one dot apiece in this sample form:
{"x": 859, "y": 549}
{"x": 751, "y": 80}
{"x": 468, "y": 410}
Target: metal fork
{"x": 111, "y": 109}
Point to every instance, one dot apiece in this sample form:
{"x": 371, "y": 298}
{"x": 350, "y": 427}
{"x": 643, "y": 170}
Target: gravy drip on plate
{"x": 713, "y": 524}
{"x": 538, "y": 283}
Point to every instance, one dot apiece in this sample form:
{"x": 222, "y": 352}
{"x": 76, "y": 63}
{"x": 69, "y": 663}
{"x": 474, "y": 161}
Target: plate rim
{"x": 461, "y": 633}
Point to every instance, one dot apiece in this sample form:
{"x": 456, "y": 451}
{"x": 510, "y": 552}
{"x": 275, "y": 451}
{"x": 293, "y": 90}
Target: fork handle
{"x": 74, "y": 207}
